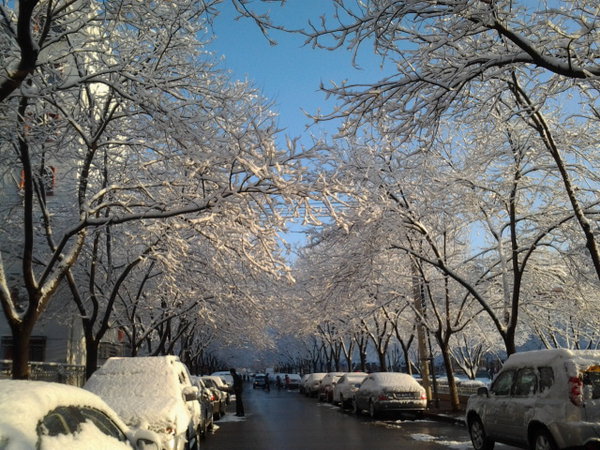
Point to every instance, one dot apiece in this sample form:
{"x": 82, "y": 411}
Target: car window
{"x": 53, "y": 424}
{"x": 546, "y": 378}
{"x": 103, "y": 423}
{"x": 526, "y": 382}
{"x": 503, "y": 383}
{"x": 591, "y": 381}
{"x": 62, "y": 420}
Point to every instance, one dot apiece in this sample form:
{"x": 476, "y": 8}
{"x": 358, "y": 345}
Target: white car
{"x": 219, "y": 390}
{"x": 153, "y": 392}
{"x": 325, "y": 393}
{"x": 389, "y": 392}
{"x": 312, "y": 383}
{"x": 39, "y": 414}
{"x": 206, "y": 398}
{"x": 543, "y": 399}
{"x": 225, "y": 375}
{"x": 344, "y": 389}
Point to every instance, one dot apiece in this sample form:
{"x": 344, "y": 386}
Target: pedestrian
{"x": 287, "y": 381}
{"x": 267, "y": 385}
{"x": 238, "y": 387}
{"x": 278, "y": 382}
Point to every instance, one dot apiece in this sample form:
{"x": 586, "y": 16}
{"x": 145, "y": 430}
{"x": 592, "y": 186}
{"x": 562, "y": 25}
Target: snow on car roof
{"x": 24, "y": 403}
{"x": 217, "y": 379}
{"x": 143, "y": 391}
{"x": 582, "y": 358}
{"x": 396, "y": 380}
{"x": 356, "y": 376}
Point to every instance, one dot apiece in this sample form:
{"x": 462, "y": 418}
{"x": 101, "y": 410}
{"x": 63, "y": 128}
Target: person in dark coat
{"x": 238, "y": 387}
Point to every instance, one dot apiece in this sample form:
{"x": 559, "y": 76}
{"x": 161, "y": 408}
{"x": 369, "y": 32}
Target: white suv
{"x": 152, "y": 392}
{"x": 545, "y": 399}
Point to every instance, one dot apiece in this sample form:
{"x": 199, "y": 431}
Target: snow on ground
{"x": 450, "y": 444}
{"x": 232, "y": 418}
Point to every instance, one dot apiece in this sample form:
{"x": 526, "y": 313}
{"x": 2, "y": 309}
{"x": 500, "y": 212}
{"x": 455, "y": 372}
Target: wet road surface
{"x": 286, "y": 420}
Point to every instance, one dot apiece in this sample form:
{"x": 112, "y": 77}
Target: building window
{"x": 37, "y": 348}
{"x": 48, "y": 180}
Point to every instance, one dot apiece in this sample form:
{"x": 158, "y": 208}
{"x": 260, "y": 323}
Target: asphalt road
{"x": 282, "y": 420}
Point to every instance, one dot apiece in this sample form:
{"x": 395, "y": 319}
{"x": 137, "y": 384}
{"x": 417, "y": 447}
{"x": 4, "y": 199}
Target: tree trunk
{"x": 91, "y": 359}
{"x": 21, "y": 335}
{"x": 382, "y": 361}
{"x": 454, "y": 400}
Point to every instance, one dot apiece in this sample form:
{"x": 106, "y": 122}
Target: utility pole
{"x": 421, "y": 340}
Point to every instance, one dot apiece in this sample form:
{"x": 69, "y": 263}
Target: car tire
{"x": 543, "y": 440}
{"x": 355, "y": 408}
{"x": 479, "y": 438}
{"x": 193, "y": 441}
{"x": 342, "y": 405}
{"x": 373, "y": 413}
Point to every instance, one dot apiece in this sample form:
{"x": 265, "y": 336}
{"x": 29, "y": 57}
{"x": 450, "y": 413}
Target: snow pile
{"x": 24, "y": 403}
{"x": 144, "y": 391}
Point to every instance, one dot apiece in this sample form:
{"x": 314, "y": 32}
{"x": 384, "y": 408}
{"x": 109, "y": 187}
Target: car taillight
{"x": 576, "y": 391}
{"x": 423, "y": 396}
{"x": 170, "y": 430}
{"x": 383, "y": 397}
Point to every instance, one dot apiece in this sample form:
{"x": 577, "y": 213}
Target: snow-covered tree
{"x": 126, "y": 111}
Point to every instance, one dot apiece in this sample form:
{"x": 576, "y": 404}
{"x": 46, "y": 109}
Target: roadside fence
{"x": 48, "y": 371}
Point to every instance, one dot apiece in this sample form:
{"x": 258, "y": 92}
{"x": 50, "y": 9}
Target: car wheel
{"x": 542, "y": 440}
{"x": 342, "y": 401}
{"x": 478, "y": 436}
{"x": 355, "y": 408}
{"x": 193, "y": 441}
{"x": 372, "y": 410}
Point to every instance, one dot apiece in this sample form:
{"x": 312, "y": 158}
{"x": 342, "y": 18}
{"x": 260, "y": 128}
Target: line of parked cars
{"x": 376, "y": 393}
{"x": 539, "y": 400}
{"x": 129, "y": 402}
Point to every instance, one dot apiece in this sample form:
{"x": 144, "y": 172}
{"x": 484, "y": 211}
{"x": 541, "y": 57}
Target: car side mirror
{"x": 483, "y": 391}
{"x": 190, "y": 393}
{"x": 147, "y": 440}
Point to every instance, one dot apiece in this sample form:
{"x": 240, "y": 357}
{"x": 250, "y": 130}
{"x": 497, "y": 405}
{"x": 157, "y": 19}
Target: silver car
{"x": 390, "y": 392}
{"x": 543, "y": 400}
{"x": 344, "y": 389}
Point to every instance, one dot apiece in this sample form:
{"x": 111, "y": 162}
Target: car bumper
{"x": 574, "y": 434}
{"x": 401, "y": 405}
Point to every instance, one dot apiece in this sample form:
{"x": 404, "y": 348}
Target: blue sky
{"x": 288, "y": 73}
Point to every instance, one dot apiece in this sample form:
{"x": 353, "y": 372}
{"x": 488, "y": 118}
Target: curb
{"x": 440, "y": 417}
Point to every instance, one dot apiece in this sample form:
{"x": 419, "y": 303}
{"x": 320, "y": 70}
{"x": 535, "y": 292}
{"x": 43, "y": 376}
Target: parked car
{"x": 293, "y": 380}
{"x": 544, "y": 399}
{"x": 40, "y": 414}
{"x": 152, "y": 391}
{"x": 205, "y": 398}
{"x": 325, "y": 393}
{"x": 344, "y": 389}
{"x": 302, "y": 385}
{"x": 389, "y": 392}
{"x": 222, "y": 385}
{"x": 259, "y": 381}
{"x": 225, "y": 375}
{"x": 312, "y": 383}
{"x": 220, "y": 396}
